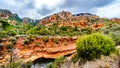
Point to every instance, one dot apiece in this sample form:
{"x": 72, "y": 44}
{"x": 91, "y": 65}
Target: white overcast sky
{"x": 37, "y": 9}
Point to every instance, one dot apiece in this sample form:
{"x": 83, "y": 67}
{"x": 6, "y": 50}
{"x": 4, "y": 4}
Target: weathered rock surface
{"x": 38, "y": 48}
{"x": 65, "y": 18}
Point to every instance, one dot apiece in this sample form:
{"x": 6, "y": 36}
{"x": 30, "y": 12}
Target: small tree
{"x": 94, "y": 45}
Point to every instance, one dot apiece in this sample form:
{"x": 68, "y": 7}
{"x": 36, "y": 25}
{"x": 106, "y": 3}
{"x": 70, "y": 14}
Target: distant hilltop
{"x": 66, "y": 16}
{"x": 7, "y": 14}
{"x": 12, "y": 18}
{"x": 61, "y": 17}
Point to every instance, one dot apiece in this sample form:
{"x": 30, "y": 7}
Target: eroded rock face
{"x": 58, "y": 17}
{"x": 38, "y": 48}
{"x": 65, "y": 18}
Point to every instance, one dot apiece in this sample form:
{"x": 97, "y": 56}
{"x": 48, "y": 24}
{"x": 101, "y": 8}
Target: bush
{"x": 3, "y": 34}
{"x": 57, "y": 62}
{"x": 56, "y": 41}
{"x": 116, "y": 37}
{"x": 45, "y": 39}
{"x": 37, "y": 44}
{"x": 31, "y": 31}
{"x": 87, "y": 30}
{"x": 94, "y": 45}
{"x": 17, "y": 64}
{"x": 27, "y": 41}
{"x": 5, "y": 24}
{"x": 75, "y": 58}
{"x": 11, "y": 33}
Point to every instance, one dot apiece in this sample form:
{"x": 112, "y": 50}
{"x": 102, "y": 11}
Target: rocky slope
{"x": 65, "y": 18}
{"x": 38, "y": 48}
{"x": 32, "y": 48}
{"x": 9, "y": 16}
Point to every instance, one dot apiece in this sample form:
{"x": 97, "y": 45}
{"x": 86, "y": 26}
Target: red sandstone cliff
{"x": 38, "y": 48}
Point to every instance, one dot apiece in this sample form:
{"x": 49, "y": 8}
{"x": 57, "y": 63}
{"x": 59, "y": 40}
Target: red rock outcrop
{"x": 38, "y": 48}
{"x": 116, "y": 20}
{"x": 82, "y": 23}
{"x": 58, "y": 17}
{"x": 97, "y": 26}
{"x": 67, "y": 19}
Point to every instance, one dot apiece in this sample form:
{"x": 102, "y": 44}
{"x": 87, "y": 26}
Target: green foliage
{"x": 3, "y": 34}
{"x": 75, "y": 58}
{"x": 27, "y": 65}
{"x": 87, "y": 30}
{"x": 54, "y": 30}
{"x": 17, "y": 64}
{"x": 5, "y": 24}
{"x": 26, "y": 27}
{"x": 75, "y": 28}
{"x": 94, "y": 45}
{"x": 64, "y": 28}
{"x": 31, "y": 37}
{"x": 11, "y": 33}
{"x": 113, "y": 29}
{"x": 12, "y": 43}
{"x": 45, "y": 39}
{"x": 116, "y": 37}
{"x": 37, "y": 44}
{"x": 27, "y": 41}
{"x": 56, "y": 40}
{"x": 31, "y": 31}
{"x": 57, "y": 62}
{"x": 43, "y": 32}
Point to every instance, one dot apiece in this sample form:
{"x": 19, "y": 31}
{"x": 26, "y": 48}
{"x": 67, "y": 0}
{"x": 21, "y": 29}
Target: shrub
{"x": 11, "y": 33}
{"x": 75, "y": 58}
{"x": 31, "y": 31}
{"x": 56, "y": 41}
{"x": 57, "y": 62}
{"x": 43, "y": 32}
{"x": 37, "y": 44}
{"x": 45, "y": 39}
{"x": 17, "y": 64}
{"x": 3, "y": 34}
{"x": 27, "y": 41}
{"x": 5, "y": 24}
{"x": 116, "y": 37}
{"x": 87, "y": 30}
{"x": 94, "y": 45}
